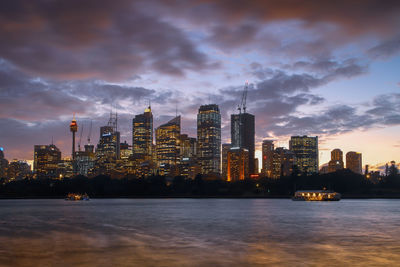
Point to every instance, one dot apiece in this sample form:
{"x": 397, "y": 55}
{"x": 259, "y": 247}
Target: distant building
{"x": 225, "y": 150}
{"x": 142, "y": 134}
{"x": 125, "y": 150}
{"x": 187, "y": 146}
{"x": 283, "y": 162}
{"x": 243, "y": 135}
{"x": 167, "y": 143}
{"x": 18, "y": 169}
{"x": 238, "y": 164}
{"x": 85, "y": 161}
{"x": 209, "y": 139}
{"x": 354, "y": 162}
{"x": 46, "y": 160}
{"x": 256, "y": 166}
{"x": 336, "y": 162}
{"x": 3, "y": 164}
{"x": 108, "y": 148}
{"x": 267, "y": 153}
{"x": 305, "y": 149}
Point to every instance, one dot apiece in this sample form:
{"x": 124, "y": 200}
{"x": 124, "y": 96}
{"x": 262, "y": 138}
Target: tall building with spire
{"x": 209, "y": 139}
{"x": 73, "y": 127}
{"x": 142, "y": 135}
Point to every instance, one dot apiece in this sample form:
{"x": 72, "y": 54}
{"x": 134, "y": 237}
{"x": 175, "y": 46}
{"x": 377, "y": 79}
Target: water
{"x": 199, "y": 232}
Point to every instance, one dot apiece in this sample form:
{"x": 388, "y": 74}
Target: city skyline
{"x": 313, "y": 71}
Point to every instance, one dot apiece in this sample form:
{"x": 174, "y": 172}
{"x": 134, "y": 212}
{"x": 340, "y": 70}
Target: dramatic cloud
{"x": 95, "y": 39}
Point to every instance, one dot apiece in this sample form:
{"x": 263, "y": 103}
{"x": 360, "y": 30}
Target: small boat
{"x": 316, "y": 195}
{"x": 72, "y": 196}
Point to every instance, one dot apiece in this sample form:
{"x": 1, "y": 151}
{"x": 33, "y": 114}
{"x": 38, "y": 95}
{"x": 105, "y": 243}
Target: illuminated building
{"x": 18, "y": 169}
{"x": 167, "y": 143}
{"x": 267, "y": 153}
{"x": 336, "y": 162}
{"x": 46, "y": 160}
{"x": 108, "y": 148}
{"x": 125, "y": 150}
{"x": 142, "y": 134}
{"x": 188, "y": 146}
{"x": 305, "y": 149}
{"x": 238, "y": 164}
{"x": 85, "y": 161}
{"x": 3, "y": 164}
{"x": 209, "y": 139}
{"x": 243, "y": 134}
{"x": 354, "y": 162}
{"x": 283, "y": 162}
{"x": 189, "y": 168}
{"x": 225, "y": 150}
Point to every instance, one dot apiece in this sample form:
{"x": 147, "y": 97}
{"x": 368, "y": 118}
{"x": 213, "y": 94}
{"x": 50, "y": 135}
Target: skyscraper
{"x": 167, "y": 142}
{"x": 354, "y": 162}
{"x": 238, "y": 164}
{"x": 142, "y": 134}
{"x": 209, "y": 139}
{"x": 46, "y": 160}
{"x": 267, "y": 153}
{"x": 283, "y": 162}
{"x": 306, "y": 150}
{"x": 243, "y": 134}
{"x": 336, "y": 162}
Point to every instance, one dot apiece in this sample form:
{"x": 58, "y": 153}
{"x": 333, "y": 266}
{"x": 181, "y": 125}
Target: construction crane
{"x": 80, "y": 138}
{"x": 242, "y": 105}
{"x": 90, "y": 132}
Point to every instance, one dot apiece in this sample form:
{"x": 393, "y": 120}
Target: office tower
{"x": 238, "y": 164}
{"x": 167, "y": 143}
{"x": 305, "y": 149}
{"x": 209, "y": 139}
{"x": 336, "y": 162}
{"x": 18, "y": 170}
{"x": 283, "y": 162}
{"x": 243, "y": 134}
{"x": 3, "y": 164}
{"x": 188, "y": 146}
{"x": 225, "y": 150}
{"x": 73, "y": 127}
{"x": 142, "y": 135}
{"x": 46, "y": 160}
{"x": 267, "y": 153}
{"x": 354, "y": 162}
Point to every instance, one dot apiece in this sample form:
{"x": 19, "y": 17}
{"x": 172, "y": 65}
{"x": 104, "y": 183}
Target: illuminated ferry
{"x": 316, "y": 195}
{"x": 72, "y": 196}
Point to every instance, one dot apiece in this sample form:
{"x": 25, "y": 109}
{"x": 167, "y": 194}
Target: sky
{"x": 321, "y": 68}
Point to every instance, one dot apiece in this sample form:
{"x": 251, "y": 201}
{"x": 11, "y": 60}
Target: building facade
{"x": 209, "y": 139}
{"x": 336, "y": 162}
{"x": 354, "y": 162}
{"x": 267, "y": 153}
{"x": 167, "y": 143}
{"x": 305, "y": 149}
{"x": 243, "y": 135}
{"x": 142, "y": 134}
{"x": 225, "y": 150}
{"x": 238, "y": 164}
{"x": 46, "y": 160}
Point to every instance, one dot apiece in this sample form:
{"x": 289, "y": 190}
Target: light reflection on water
{"x": 199, "y": 232}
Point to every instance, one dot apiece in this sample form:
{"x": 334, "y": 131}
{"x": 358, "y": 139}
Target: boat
{"x": 316, "y": 195}
{"x": 74, "y": 196}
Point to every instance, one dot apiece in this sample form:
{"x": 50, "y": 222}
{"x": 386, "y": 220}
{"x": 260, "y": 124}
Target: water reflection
{"x": 199, "y": 232}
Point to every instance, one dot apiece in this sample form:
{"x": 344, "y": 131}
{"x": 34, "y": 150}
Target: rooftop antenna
{"x": 52, "y": 140}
